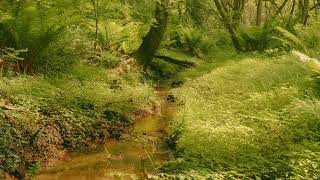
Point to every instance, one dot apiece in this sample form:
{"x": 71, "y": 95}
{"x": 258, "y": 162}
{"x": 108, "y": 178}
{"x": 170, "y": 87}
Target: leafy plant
{"x": 9, "y": 59}
{"x": 290, "y": 39}
{"x": 257, "y": 38}
{"x": 28, "y": 27}
{"x": 192, "y": 39}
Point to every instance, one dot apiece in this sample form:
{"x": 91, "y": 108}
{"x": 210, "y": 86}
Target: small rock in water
{"x": 171, "y": 98}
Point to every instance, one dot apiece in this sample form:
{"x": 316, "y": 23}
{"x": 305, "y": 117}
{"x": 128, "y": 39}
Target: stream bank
{"x": 134, "y": 156}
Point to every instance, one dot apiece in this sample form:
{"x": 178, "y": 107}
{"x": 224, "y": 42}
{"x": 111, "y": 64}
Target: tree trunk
{"x": 229, "y": 25}
{"x": 291, "y": 13}
{"x": 151, "y": 42}
{"x": 304, "y": 12}
{"x": 317, "y": 9}
{"x": 259, "y": 13}
{"x": 96, "y": 16}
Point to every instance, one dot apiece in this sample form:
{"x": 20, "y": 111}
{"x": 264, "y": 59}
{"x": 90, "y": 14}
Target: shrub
{"x": 30, "y": 25}
{"x": 258, "y": 38}
{"x": 191, "y": 39}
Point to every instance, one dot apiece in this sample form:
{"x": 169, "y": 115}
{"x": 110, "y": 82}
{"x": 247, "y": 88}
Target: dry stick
{"x": 154, "y": 167}
{"x": 106, "y": 149}
{"x": 283, "y": 143}
{"x": 109, "y": 157}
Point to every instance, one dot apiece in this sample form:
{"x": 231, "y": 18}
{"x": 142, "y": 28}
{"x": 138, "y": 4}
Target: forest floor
{"x": 235, "y": 116}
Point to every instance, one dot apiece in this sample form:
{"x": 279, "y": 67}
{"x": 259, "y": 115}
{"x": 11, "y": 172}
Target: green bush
{"x": 192, "y": 39}
{"x": 25, "y": 28}
{"x": 258, "y": 38}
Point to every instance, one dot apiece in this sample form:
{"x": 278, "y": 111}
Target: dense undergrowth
{"x": 42, "y": 115}
{"x": 250, "y": 118}
{"x": 68, "y": 80}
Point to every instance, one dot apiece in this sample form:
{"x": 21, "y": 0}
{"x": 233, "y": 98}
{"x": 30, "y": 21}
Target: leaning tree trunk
{"x": 151, "y": 42}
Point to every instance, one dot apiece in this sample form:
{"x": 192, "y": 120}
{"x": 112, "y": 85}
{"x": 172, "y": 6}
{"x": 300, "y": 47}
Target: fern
{"x": 289, "y": 38}
{"x": 27, "y": 25}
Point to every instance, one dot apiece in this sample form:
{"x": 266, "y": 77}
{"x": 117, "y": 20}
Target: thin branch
{"x": 279, "y": 11}
{"x": 315, "y": 6}
{"x": 284, "y": 144}
{"x": 154, "y": 167}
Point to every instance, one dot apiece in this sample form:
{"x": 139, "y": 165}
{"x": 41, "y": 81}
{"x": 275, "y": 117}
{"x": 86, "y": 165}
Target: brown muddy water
{"x": 135, "y": 156}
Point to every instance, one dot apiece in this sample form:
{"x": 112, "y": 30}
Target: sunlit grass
{"x": 250, "y": 117}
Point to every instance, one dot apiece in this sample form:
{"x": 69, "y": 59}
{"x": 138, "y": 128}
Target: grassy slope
{"x": 249, "y": 118}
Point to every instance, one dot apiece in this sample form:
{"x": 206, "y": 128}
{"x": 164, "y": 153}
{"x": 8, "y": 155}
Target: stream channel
{"x": 135, "y": 156}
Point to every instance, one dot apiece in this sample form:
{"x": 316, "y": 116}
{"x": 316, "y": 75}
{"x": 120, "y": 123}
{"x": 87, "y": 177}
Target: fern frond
{"x": 290, "y": 38}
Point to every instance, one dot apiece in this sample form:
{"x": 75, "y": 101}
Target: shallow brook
{"x": 135, "y": 156}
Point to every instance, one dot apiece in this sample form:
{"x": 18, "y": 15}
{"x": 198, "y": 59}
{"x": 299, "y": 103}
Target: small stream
{"x": 135, "y": 156}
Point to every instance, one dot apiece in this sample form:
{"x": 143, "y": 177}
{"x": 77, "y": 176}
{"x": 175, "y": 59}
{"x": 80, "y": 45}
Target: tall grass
{"x": 249, "y": 119}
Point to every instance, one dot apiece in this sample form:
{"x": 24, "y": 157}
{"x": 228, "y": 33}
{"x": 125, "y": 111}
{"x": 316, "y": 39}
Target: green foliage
{"x": 257, "y": 38}
{"x": 191, "y": 39}
{"x": 29, "y": 28}
{"x": 162, "y": 70}
{"x": 290, "y": 39}
{"x": 248, "y": 119}
{"x": 56, "y": 59}
{"x": 125, "y": 38}
{"x": 9, "y": 58}
{"x": 311, "y": 38}
{"x": 12, "y": 142}
{"x": 215, "y": 58}
{"x": 78, "y": 103}
{"x": 242, "y": 120}
{"x": 306, "y": 39}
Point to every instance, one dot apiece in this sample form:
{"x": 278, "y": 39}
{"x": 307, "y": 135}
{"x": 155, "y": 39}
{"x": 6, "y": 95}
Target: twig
{"x": 283, "y": 143}
{"x": 154, "y": 167}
